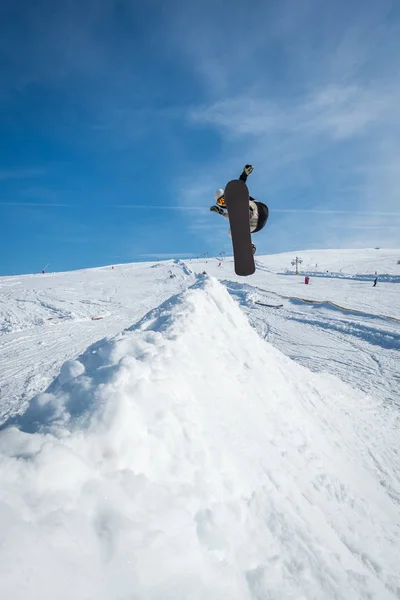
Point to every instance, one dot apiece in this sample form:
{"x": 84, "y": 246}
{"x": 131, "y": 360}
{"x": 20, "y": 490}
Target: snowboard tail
{"x": 237, "y": 202}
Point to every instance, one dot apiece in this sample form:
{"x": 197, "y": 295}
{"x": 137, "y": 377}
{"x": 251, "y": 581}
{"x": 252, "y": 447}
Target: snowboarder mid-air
{"x": 258, "y": 212}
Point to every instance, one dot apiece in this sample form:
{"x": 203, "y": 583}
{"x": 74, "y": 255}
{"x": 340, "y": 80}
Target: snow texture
{"x": 201, "y": 453}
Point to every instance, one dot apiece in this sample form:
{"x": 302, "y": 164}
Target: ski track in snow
{"x": 154, "y": 446}
{"x": 325, "y": 338}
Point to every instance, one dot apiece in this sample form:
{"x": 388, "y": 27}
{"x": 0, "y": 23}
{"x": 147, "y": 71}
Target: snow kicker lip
{"x": 71, "y": 399}
{"x": 188, "y": 443}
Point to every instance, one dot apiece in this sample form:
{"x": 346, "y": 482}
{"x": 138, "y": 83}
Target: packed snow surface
{"x": 173, "y": 434}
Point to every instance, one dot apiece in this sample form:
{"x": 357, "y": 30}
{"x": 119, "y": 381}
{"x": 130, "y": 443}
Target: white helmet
{"x": 218, "y": 194}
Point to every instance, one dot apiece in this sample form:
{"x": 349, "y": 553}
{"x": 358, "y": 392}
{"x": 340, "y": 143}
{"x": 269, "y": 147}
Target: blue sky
{"x": 120, "y": 119}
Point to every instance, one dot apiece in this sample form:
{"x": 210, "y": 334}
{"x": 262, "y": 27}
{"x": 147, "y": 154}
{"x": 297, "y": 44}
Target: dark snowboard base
{"x": 237, "y": 202}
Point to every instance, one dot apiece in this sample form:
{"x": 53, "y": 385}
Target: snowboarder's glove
{"x": 248, "y": 169}
{"x": 217, "y": 209}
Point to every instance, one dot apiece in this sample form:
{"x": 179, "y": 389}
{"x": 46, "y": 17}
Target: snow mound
{"x": 186, "y": 458}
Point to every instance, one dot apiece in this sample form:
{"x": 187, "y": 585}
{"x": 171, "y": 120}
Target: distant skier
{"x": 375, "y": 281}
{"x": 258, "y": 212}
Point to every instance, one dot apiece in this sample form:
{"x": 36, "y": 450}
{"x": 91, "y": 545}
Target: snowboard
{"x": 237, "y": 202}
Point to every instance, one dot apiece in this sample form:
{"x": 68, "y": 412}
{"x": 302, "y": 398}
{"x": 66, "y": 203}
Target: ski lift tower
{"x": 297, "y": 261}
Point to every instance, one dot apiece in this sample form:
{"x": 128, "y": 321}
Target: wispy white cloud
{"x": 335, "y": 212}
{"x": 308, "y": 92}
{"x": 317, "y": 108}
{"x": 337, "y": 111}
{"x": 158, "y": 207}
{"x": 106, "y": 206}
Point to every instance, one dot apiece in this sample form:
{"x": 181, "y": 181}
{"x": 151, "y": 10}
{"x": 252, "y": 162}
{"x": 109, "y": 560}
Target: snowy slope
{"x": 187, "y": 458}
{"x": 343, "y": 277}
{"x": 351, "y": 262}
{"x": 46, "y": 319}
{"x": 336, "y": 324}
{"x": 155, "y": 446}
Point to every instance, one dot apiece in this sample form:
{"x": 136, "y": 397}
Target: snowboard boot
{"x": 248, "y": 169}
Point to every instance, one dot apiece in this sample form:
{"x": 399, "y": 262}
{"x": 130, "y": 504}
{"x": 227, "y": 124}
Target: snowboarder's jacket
{"x": 258, "y": 215}
{"x": 258, "y": 211}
